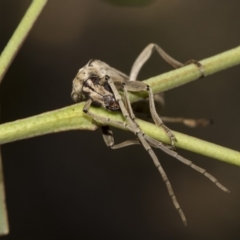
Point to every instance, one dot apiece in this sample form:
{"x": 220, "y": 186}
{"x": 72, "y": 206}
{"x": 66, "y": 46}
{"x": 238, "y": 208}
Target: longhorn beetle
{"x": 97, "y": 83}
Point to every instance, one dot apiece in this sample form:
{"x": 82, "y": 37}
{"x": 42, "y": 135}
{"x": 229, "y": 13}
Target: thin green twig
{"x": 6, "y": 58}
{"x": 4, "y": 227}
{"x": 189, "y": 73}
{"x": 19, "y": 35}
{"x": 72, "y": 118}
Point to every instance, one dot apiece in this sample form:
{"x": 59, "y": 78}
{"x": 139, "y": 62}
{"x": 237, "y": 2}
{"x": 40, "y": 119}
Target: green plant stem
{"x": 6, "y": 58}
{"x": 72, "y": 117}
{"x": 4, "y": 228}
{"x": 189, "y": 73}
{"x": 19, "y": 35}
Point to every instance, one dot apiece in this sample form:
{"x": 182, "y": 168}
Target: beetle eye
{"x": 94, "y": 79}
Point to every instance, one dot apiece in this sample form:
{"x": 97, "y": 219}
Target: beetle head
{"x": 91, "y": 83}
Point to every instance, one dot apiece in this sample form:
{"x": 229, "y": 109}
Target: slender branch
{"x": 4, "y": 228}
{"x": 19, "y": 35}
{"x": 73, "y": 118}
{"x": 6, "y": 58}
{"x": 189, "y": 73}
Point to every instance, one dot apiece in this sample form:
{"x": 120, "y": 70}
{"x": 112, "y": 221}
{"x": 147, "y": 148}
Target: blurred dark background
{"x": 70, "y": 184}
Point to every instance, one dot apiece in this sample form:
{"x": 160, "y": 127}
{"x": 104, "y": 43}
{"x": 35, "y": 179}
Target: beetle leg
{"x": 174, "y": 154}
{"x": 201, "y": 122}
{"x": 109, "y": 140}
{"x": 106, "y": 131}
{"x": 146, "y": 54}
{"x": 129, "y": 116}
{"x": 198, "y": 64}
{"x": 137, "y": 86}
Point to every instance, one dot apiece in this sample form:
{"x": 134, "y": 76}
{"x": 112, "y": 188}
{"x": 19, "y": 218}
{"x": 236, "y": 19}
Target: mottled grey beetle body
{"x": 92, "y": 82}
{"x": 97, "y": 83}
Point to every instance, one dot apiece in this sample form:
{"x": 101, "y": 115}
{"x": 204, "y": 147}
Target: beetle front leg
{"x": 107, "y": 133}
{"x": 137, "y": 86}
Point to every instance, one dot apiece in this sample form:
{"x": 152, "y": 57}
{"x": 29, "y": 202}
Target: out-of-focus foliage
{"x": 130, "y": 2}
